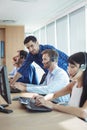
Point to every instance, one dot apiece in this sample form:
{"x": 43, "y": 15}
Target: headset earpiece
{"x": 21, "y": 56}
{"x": 53, "y": 58}
{"x": 83, "y": 66}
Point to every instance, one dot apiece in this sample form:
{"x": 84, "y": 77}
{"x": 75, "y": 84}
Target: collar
{"x": 54, "y": 71}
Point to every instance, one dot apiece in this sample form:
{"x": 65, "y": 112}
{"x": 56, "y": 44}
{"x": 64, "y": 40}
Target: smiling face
{"x": 33, "y": 47}
{"x": 16, "y": 58}
{"x": 46, "y": 61}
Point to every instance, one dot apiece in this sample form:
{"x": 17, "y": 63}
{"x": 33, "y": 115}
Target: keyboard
{"x": 30, "y": 105}
{"x": 24, "y": 100}
{"x": 12, "y": 90}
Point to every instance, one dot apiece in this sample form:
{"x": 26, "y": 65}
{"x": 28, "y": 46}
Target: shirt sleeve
{"x": 58, "y": 82}
{"x": 26, "y": 64}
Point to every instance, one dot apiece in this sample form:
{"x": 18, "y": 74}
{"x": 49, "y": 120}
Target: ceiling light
{"x": 25, "y": 0}
{"x": 7, "y": 21}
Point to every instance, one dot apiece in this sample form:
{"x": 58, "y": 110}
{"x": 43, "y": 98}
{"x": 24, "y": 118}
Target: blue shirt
{"x": 62, "y": 59}
{"x": 29, "y": 75}
{"x": 55, "y": 81}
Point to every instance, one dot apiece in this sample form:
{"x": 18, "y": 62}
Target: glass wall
{"x": 67, "y": 33}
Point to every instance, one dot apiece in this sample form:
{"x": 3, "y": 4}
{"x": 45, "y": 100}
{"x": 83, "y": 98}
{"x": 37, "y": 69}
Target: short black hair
{"x": 30, "y": 38}
{"x": 23, "y": 54}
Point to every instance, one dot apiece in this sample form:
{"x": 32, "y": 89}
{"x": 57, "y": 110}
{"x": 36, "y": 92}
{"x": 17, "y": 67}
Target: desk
{"x": 21, "y": 119}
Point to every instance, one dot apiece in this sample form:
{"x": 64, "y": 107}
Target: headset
{"x": 53, "y": 58}
{"x": 83, "y": 66}
{"x": 21, "y": 57}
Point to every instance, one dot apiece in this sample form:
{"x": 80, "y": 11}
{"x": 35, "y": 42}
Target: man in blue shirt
{"x": 35, "y": 55}
{"x": 30, "y": 75}
{"x": 55, "y": 80}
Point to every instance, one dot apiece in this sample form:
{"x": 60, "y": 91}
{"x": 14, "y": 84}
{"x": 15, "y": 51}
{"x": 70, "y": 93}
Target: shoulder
{"x": 47, "y": 46}
{"x": 62, "y": 54}
{"x": 62, "y": 72}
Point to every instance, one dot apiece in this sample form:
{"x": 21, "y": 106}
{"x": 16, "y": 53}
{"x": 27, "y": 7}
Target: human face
{"x": 73, "y": 69}
{"x": 46, "y": 61}
{"x": 16, "y": 59}
{"x": 32, "y": 47}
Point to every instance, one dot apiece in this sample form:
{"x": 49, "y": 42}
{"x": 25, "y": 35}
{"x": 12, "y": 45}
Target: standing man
{"x": 55, "y": 80}
{"x": 35, "y": 55}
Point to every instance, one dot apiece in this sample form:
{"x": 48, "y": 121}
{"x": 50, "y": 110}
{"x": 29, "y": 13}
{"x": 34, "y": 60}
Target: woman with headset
{"x": 77, "y": 105}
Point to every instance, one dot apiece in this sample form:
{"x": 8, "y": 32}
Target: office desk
{"x": 21, "y": 119}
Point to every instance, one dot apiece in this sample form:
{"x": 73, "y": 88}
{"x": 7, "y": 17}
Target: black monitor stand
{"x": 4, "y": 110}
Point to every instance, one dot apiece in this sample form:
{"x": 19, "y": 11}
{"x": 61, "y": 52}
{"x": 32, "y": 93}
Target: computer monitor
{"x": 4, "y": 89}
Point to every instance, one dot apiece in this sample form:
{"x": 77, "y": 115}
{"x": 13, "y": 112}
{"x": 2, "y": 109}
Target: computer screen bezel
{"x": 4, "y": 85}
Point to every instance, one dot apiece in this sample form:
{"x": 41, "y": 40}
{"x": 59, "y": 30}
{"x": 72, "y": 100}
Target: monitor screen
{"x": 4, "y": 85}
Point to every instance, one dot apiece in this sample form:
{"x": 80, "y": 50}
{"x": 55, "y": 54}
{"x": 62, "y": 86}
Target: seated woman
{"x": 77, "y": 105}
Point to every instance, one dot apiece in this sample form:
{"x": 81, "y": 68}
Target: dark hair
{"x": 53, "y": 54}
{"x": 81, "y": 58}
{"x": 23, "y": 54}
{"x": 30, "y": 38}
{"x": 78, "y": 58}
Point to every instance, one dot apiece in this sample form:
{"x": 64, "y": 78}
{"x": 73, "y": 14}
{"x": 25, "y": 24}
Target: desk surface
{"x": 21, "y": 119}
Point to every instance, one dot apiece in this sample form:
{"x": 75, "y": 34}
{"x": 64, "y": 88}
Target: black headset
{"x": 83, "y": 66}
{"x": 22, "y": 56}
{"x": 53, "y": 58}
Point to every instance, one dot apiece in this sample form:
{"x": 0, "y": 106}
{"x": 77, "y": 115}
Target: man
{"x": 18, "y": 60}
{"x": 35, "y": 55}
{"x": 30, "y": 75}
{"x": 55, "y": 80}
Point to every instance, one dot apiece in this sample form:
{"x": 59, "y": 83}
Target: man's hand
{"x": 20, "y": 86}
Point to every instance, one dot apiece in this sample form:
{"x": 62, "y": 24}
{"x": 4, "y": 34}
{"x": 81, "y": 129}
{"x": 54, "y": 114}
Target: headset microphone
{"x": 52, "y": 59}
{"x": 48, "y": 63}
{"x": 78, "y": 74}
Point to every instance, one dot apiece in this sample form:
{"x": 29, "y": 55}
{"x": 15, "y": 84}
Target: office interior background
{"x": 68, "y": 32}
{"x": 62, "y": 24}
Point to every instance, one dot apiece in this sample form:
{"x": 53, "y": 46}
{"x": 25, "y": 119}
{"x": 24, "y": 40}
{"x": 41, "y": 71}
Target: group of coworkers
{"x": 64, "y": 87}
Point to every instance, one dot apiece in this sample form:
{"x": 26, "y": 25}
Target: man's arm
{"x": 21, "y": 71}
{"x": 62, "y": 92}
{"x": 16, "y": 77}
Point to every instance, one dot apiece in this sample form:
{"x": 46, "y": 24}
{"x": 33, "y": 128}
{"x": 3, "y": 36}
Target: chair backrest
{"x": 43, "y": 78}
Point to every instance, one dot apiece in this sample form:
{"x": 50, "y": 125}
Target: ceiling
{"x": 33, "y": 14}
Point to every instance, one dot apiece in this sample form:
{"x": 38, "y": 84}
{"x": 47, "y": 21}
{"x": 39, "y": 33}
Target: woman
{"x": 77, "y": 105}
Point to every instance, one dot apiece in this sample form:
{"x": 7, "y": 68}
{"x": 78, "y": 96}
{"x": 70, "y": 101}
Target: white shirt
{"x": 14, "y": 71}
{"x": 76, "y": 95}
{"x": 56, "y": 80}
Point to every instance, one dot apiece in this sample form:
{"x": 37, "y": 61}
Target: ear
{"x": 37, "y": 42}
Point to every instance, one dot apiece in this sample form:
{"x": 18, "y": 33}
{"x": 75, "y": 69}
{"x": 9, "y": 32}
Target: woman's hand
{"x": 40, "y": 101}
{"x": 36, "y": 96}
